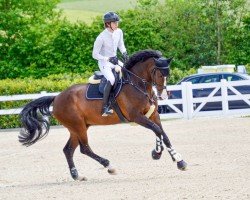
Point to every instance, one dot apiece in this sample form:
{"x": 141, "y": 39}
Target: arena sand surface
{"x": 217, "y": 152}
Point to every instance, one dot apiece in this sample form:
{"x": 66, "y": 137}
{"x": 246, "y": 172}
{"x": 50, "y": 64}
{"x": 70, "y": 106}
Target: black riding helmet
{"x": 111, "y": 17}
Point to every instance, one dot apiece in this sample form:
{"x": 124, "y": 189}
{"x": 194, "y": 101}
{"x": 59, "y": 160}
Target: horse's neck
{"x": 142, "y": 71}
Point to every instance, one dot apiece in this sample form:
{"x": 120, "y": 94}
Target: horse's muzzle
{"x": 163, "y": 95}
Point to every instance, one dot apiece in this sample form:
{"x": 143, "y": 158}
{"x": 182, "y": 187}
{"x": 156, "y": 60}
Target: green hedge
{"x": 53, "y": 83}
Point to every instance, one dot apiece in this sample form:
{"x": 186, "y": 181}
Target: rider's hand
{"x": 113, "y": 60}
{"x": 125, "y": 57}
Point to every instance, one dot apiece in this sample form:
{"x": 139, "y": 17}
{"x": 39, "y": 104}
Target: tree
{"x": 25, "y": 30}
{"x": 35, "y": 41}
{"x": 224, "y": 21}
{"x": 237, "y": 48}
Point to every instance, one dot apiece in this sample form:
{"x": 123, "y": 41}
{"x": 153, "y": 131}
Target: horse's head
{"x": 157, "y": 69}
{"x": 160, "y": 74}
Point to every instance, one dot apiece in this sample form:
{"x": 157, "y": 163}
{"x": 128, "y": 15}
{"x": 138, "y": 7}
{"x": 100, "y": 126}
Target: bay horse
{"x": 74, "y": 111}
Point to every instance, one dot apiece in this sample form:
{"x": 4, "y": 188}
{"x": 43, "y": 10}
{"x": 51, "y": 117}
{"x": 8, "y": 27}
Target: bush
{"x": 53, "y": 83}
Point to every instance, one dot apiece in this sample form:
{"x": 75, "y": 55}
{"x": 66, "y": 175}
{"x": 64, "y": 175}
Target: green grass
{"x": 80, "y": 15}
{"x": 86, "y": 10}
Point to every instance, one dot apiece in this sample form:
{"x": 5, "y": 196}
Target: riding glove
{"x": 125, "y": 57}
{"x": 113, "y": 60}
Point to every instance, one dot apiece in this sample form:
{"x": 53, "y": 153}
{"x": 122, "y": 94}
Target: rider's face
{"x": 114, "y": 25}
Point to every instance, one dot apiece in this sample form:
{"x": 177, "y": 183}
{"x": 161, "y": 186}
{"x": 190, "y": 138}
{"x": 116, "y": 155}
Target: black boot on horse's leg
{"x": 106, "y": 108}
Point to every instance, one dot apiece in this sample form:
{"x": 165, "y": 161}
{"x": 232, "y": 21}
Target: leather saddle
{"x": 97, "y": 83}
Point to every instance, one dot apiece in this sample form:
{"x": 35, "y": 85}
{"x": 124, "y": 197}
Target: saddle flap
{"x": 95, "y": 91}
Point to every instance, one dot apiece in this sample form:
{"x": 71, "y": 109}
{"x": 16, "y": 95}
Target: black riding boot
{"x": 106, "y": 109}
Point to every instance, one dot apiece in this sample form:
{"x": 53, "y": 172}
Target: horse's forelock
{"x": 142, "y": 56}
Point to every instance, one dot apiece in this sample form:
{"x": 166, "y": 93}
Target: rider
{"x": 105, "y": 51}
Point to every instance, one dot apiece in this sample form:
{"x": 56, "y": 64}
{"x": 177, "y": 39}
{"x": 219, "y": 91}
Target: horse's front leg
{"x": 156, "y": 153}
{"x": 161, "y": 135}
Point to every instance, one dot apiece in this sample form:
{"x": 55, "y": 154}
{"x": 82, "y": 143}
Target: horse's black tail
{"x": 35, "y": 124}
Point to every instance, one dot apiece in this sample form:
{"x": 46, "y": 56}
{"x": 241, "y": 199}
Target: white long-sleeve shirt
{"x": 106, "y": 45}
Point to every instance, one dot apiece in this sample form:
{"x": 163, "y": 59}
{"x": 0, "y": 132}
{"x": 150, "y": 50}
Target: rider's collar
{"x": 109, "y": 32}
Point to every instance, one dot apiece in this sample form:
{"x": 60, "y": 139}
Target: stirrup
{"x": 107, "y": 112}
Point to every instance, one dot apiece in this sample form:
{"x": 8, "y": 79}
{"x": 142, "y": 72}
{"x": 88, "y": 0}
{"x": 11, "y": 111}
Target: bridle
{"x": 154, "y": 79}
{"x": 127, "y": 80}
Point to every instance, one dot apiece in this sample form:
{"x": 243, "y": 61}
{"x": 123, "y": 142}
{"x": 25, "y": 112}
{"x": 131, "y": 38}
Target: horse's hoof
{"x": 112, "y": 171}
{"x": 156, "y": 155}
{"x": 81, "y": 178}
{"x": 182, "y": 165}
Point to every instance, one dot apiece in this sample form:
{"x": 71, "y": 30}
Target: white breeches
{"x": 106, "y": 69}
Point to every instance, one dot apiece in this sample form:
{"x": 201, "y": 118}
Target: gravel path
{"x": 217, "y": 152}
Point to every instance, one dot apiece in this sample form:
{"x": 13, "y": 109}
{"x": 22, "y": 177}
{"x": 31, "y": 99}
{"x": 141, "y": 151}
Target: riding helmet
{"x": 111, "y": 17}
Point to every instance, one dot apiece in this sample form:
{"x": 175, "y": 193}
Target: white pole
{"x": 224, "y": 97}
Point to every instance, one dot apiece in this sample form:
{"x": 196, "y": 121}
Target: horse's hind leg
{"x": 85, "y": 149}
{"x": 69, "y": 150}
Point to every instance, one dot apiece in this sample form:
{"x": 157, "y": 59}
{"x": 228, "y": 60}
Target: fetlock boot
{"x": 106, "y": 108}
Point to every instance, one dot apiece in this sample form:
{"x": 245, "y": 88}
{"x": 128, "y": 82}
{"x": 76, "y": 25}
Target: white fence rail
{"x": 187, "y": 101}
{"x": 189, "y": 109}
{"x": 21, "y": 97}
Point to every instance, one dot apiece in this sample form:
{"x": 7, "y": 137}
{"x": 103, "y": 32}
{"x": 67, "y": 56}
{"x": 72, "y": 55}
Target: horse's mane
{"x": 142, "y": 56}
